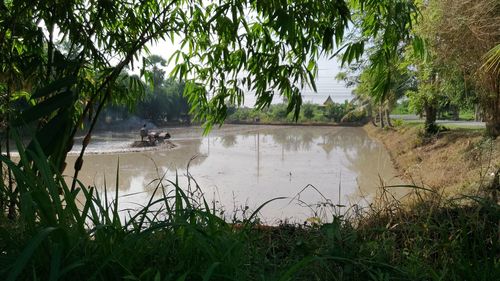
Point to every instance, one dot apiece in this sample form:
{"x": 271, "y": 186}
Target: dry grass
{"x": 454, "y": 161}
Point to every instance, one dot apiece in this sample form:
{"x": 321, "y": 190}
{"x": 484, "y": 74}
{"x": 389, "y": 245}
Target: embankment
{"x": 454, "y": 161}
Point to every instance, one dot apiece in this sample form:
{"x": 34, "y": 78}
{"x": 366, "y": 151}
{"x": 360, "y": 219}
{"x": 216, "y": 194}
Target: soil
{"x": 456, "y": 161}
{"x": 164, "y": 144}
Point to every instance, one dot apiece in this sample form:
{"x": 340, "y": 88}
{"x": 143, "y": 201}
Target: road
{"x": 461, "y": 123}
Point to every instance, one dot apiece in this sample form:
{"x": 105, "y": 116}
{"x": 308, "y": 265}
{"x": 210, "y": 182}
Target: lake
{"x": 239, "y": 166}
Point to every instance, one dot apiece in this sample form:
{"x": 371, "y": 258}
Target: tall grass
{"x": 179, "y": 236}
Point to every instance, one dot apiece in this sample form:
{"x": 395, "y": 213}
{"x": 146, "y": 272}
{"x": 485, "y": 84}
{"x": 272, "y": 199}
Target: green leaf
{"x": 50, "y": 133}
{"x": 207, "y": 276}
{"x": 26, "y": 254}
{"x": 260, "y": 208}
{"x": 296, "y": 267}
{"x": 45, "y": 108}
{"x": 328, "y": 38}
{"x": 54, "y": 86}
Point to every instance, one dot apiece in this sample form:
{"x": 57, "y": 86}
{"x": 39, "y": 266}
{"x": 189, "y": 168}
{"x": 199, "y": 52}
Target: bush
{"x": 308, "y": 110}
{"x": 279, "y": 112}
{"x": 334, "y": 112}
{"x": 397, "y": 122}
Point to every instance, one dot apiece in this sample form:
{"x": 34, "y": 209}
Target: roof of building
{"x": 328, "y": 101}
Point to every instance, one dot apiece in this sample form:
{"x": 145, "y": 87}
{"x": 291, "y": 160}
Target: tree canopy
{"x": 69, "y": 57}
{"x": 458, "y": 68}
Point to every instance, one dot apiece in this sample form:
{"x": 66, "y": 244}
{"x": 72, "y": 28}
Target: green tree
{"x": 163, "y": 103}
{"x": 334, "y": 112}
{"x": 308, "y": 110}
{"x": 80, "y": 51}
{"x": 164, "y": 99}
{"x": 393, "y": 81}
{"x": 381, "y": 76}
{"x": 461, "y": 33}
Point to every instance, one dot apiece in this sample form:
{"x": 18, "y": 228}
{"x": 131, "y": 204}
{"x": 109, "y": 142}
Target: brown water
{"x": 240, "y": 166}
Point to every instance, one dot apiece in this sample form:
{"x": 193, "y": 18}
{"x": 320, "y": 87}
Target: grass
{"x": 456, "y": 160}
{"x": 179, "y": 236}
{"x": 420, "y": 123}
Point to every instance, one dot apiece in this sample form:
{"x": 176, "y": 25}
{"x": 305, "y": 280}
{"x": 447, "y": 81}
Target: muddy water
{"x": 238, "y": 166}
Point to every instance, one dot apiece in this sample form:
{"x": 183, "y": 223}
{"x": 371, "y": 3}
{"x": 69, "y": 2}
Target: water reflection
{"x": 228, "y": 141}
{"x": 239, "y": 165}
{"x": 294, "y": 139}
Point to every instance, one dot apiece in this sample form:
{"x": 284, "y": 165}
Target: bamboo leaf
{"x": 57, "y": 85}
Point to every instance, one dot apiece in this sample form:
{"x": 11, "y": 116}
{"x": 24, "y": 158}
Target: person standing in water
{"x": 144, "y": 132}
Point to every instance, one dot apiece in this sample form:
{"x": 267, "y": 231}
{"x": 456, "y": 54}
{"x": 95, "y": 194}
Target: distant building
{"x": 328, "y": 101}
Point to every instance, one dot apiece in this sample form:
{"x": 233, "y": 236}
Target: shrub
{"x": 308, "y": 110}
{"x": 279, "y": 112}
{"x": 334, "y": 112}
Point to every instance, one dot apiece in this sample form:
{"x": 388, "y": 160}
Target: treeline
{"x": 153, "y": 97}
{"x": 161, "y": 100}
{"x": 310, "y": 113}
{"x": 453, "y": 67}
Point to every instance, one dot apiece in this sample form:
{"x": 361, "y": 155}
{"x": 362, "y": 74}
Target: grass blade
{"x": 25, "y": 256}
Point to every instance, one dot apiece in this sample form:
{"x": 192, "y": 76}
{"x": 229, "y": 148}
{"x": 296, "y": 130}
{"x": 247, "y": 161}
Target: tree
{"x": 153, "y": 71}
{"x": 81, "y": 50}
{"x": 383, "y": 81}
{"x": 308, "y": 110}
{"x": 379, "y": 88}
{"x": 463, "y": 32}
{"x": 163, "y": 103}
{"x": 164, "y": 98}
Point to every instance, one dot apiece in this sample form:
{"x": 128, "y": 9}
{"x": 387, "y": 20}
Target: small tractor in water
{"x": 150, "y": 138}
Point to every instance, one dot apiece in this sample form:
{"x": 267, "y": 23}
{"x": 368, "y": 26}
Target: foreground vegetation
{"x": 58, "y": 234}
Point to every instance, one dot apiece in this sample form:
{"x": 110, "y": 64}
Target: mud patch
{"x": 143, "y": 144}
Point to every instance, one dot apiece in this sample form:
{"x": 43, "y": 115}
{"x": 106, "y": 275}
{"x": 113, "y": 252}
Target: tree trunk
{"x": 369, "y": 114}
{"x": 373, "y": 120}
{"x": 389, "y": 123}
{"x": 493, "y": 120}
{"x": 493, "y": 127}
{"x": 2, "y": 180}
{"x": 430, "y": 118}
{"x": 381, "y": 117}
{"x": 12, "y": 200}
{"x": 477, "y": 113}
{"x": 493, "y": 108}
{"x": 456, "y": 113}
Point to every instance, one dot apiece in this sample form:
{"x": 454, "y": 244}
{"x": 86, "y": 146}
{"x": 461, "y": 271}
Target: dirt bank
{"x": 454, "y": 161}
